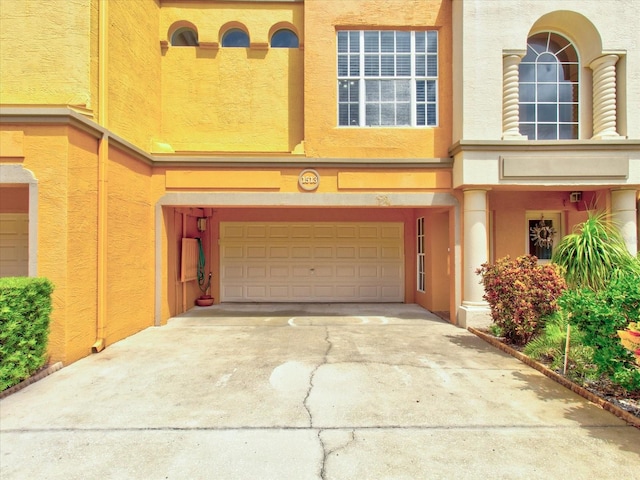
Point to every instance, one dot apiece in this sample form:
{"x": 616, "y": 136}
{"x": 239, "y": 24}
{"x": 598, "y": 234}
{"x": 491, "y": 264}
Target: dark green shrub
{"x": 599, "y": 315}
{"x": 25, "y": 308}
{"x": 521, "y": 293}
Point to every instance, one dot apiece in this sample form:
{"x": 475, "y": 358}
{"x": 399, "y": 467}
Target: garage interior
{"x": 312, "y": 255}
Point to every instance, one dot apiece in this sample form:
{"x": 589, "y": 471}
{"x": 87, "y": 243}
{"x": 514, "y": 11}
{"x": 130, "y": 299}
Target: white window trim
{"x": 421, "y": 283}
{"x": 362, "y": 78}
{"x": 579, "y": 82}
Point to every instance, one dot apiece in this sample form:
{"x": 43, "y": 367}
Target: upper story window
{"x": 184, "y": 37}
{"x": 549, "y": 88}
{"x": 235, "y": 38}
{"x": 387, "y": 78}
{"x": 284, "y": 38}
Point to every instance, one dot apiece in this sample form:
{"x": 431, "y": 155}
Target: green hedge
{"x": 25, "y": 308}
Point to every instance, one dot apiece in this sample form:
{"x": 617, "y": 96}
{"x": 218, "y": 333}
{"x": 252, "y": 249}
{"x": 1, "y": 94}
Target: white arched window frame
{"x": 549, "y": 88}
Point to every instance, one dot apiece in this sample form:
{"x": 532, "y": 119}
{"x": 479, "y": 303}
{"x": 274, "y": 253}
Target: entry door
{"x": 303, "y": 262}
{"x": 544, "y": 230}
{"x": 14, "y": 244}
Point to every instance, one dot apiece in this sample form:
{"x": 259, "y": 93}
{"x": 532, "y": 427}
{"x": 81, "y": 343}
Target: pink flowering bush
{"x": 521, "y": 294}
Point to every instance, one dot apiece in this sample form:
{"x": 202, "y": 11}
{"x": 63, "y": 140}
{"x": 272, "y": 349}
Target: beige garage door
{"x": 300, "y": 262}
{"x": 14, "y": 244}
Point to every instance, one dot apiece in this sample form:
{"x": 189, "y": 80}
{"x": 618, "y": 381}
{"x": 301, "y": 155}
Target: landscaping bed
{"x": 608, "y": 396}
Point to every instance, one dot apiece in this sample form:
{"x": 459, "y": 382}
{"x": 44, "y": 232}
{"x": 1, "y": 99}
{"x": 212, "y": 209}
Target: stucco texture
{"x": 133, "y": 74}
{"x": 64, "y": 233}
{"x": 232, "y": 99}
{"x": 130, "y": 251}
{"x": 54, "y": 67}
{"x": 322, "y": 136}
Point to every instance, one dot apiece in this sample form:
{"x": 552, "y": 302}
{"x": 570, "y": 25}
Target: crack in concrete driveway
{"x": 222, "y": 393}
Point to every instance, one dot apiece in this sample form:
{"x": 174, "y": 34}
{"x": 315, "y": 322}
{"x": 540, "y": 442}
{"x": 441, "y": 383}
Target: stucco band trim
{"x": 561, "y": 167}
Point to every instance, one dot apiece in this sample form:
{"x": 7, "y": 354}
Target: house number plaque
{"x": 309, "y": 180}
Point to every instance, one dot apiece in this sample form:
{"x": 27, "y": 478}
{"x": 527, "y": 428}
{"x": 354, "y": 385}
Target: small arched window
{"x": 184, "y": 37}
{"x": 235, "y": 38}
{"x": 548, "y": 82}
{"x": 284, "y": 38}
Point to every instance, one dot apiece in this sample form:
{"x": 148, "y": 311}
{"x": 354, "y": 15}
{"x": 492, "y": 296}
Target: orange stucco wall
{"x": 322, "y": 136}
{"x": 130, "y": 246}
{"x": 81, "y": 236}
{"x": 285, "y": 179}
{"x": 53, "y": 67}
{"x": 60, "y": 159}
{"x": 64, "y": 160}
{"x": 46, "y": 152}
{"x": 508, "y": 212}
{"x": 231, "y": 99}
{"x": 133, "y": 73}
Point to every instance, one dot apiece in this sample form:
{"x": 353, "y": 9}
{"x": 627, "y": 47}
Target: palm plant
{"x": 593, "y": 253}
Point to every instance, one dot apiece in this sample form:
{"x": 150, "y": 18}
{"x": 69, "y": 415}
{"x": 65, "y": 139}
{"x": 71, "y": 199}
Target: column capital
{"x": 604, "y": 60}
{"x": 476, "y": 189}
{"x": 514, "y": 53}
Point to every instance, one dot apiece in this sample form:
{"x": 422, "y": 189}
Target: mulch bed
{"x": 43, "y": 372}
{"x": 604, "y": 394}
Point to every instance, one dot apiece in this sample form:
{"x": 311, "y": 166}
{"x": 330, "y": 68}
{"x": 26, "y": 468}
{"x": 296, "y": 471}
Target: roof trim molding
{"x": 543, "y": 145}
{"x": 67, "y": 116}
{"x": 38, "y": 115}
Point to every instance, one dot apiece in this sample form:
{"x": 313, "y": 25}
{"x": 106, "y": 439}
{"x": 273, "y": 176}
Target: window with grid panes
{"x": 387, "y": 78}
{"x": 549, "y": 88}
{"x": 420, "y": 267}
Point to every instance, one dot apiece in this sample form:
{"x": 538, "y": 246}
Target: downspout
{"x": 103, "y": 156}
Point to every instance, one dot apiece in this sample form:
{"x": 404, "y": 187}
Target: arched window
{"x": 235, "y": 38}
{"x": 184, "y": 37}
{"x": 548, "y": 83}
{"x": 284, "y": 38}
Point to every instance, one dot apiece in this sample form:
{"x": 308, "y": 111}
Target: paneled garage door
{"x": 300, "y": 262}
{"x": 14, "y": 244}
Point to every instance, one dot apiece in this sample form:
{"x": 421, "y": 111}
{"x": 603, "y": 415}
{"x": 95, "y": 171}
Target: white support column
{"x": 474, "y": 310}
{"x": 604, "y": 97}
{"x": 625, "y": 216}
{"x": 511, "y": 97}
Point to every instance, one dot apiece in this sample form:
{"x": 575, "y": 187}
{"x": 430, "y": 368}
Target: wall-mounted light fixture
{"x": 202, "y": 224}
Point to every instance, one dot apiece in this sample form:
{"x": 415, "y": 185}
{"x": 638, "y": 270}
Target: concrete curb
{"x": 38, "y": 376}
{"x": 583, "y": 392}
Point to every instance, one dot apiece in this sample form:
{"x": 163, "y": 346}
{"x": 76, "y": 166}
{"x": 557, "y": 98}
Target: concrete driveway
{"x": 308, "y": 392}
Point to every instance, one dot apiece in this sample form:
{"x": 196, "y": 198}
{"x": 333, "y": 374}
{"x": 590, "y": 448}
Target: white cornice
{"x": 544, "y": 145}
